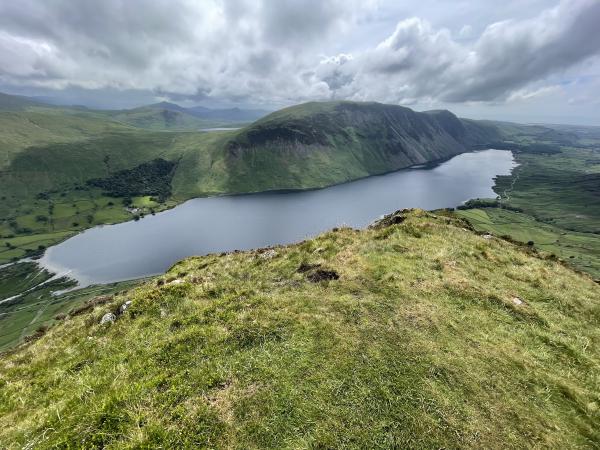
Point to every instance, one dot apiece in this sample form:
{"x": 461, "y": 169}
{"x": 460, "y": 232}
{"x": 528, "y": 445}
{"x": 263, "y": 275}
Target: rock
{"x": 487, "y": 236}
{"x": 517, "y": 301}
{"x": 163, "y": 313}
{"x": 124, "y": 306}
{"x": 108, "y": 318}
{"x": 178, "y": 281}
{"x": 269, "y": 254}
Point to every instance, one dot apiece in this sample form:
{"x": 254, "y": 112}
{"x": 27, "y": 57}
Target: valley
{"x": 218, "y": 347}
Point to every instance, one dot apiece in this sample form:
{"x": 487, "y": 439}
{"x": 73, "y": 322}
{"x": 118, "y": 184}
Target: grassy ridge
{"x": 38, "y": 307}
{"x": 581, "y": 250}
{"x": 431, "y": 337}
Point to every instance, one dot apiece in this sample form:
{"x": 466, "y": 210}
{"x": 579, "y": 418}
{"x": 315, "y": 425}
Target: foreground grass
{"x": 420, "y": 343}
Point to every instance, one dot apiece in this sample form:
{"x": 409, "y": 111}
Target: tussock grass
{"x": 418, "y": 344}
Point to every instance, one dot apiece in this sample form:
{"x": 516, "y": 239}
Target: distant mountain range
{"x": 158, "y": 116}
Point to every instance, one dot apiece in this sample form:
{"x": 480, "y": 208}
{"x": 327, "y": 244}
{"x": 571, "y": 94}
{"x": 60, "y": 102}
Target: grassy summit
{"x": 414, "y": 333}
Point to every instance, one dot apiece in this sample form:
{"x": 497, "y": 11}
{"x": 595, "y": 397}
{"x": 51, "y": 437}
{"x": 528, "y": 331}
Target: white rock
{"x": 178, "y": 281}
{"x": 517, "y": 301}
{"x": 108, "y": 318}
{"x": 487, "y": 236}
{"x": 269, "y": 254}
{"x": 125, "y": 305}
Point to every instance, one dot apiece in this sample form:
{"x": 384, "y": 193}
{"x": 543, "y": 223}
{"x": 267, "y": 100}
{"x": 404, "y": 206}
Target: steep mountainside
{"x": 416, "y": 333}
{"x": 318, "y": 144}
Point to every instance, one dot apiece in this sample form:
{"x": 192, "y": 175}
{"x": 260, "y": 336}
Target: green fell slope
{"x": 319, "y": 144}
{"x": 160, "y": 119}
{"x": 415, "y": 333}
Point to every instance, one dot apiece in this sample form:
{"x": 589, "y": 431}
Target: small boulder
{"x": 487, "y": 236}
{"x": 124, "y": 306}
{"x": 108, "y": 318}
{"x": 269, "y": 254}
{"x": 517, "y": 301}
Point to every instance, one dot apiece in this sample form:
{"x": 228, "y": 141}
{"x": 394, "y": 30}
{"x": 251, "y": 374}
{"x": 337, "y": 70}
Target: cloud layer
{"x": 282, "y": 52}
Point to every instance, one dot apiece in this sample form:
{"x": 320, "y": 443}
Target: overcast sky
{"x": 522, "y": 60}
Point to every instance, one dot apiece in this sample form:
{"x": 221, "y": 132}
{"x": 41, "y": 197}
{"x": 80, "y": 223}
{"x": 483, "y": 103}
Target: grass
{"x": 38, "y": 306}
{"x": 419, "y": 344}
{"x": 49, "y": 182}
{"x": 581, "y": 250}
{"x": 556, "y": 201}
{"x": 560, "y": 189}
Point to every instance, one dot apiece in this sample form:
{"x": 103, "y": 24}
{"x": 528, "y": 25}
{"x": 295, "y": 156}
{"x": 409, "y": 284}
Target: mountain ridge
{"x": 352, "y": 139}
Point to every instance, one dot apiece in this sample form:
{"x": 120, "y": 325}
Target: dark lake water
{"x": 206, "y": 225}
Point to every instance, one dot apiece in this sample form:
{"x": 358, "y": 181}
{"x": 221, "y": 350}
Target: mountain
{"x": 160, "y": 116}
{"x": 415, "y": 333}
{"x": 51, "y": 155}
{"x": 231, "y": 114}
{"x": 173, "y": 117}
{"x": 17, "y": 102}
{"x": 319, "y": 144}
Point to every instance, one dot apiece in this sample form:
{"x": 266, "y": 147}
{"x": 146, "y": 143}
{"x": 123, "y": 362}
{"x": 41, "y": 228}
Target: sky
{"x": 520, "y": 60}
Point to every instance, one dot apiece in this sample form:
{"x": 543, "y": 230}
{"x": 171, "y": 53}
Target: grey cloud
{"x": 279, "y": 52}
{"x": 228, "y": 48}
{"x": 420, "y": 62}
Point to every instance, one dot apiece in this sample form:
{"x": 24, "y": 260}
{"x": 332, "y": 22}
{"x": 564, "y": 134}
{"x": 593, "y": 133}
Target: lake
{"x": 207, "y": 225}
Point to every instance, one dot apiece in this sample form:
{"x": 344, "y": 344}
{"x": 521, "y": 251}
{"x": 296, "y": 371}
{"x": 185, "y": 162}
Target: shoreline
{"x": 176, "y": 203}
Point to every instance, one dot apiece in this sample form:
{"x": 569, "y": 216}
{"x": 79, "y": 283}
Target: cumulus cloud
{"x": 267, "y": 52}
{"x": 234, "y": 48}
{"x": 419, "y": 62}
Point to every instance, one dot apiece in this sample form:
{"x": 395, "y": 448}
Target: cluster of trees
{"x": 487, "y": 203}
{"x": 151, "y": 178}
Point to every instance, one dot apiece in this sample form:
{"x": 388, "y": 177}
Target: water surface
{"x": 206, "y": 225}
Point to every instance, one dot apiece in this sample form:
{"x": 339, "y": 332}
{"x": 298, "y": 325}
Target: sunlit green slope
{"x": 417, "y": 333}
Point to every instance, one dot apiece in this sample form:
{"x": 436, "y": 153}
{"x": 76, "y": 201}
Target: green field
{"x": 430, "y": 337}
{"x": 561, "y": 189}
{"x": 581, "y": 250}
{"x": 37, "y": 307}
{"x": 554, "y": 201}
